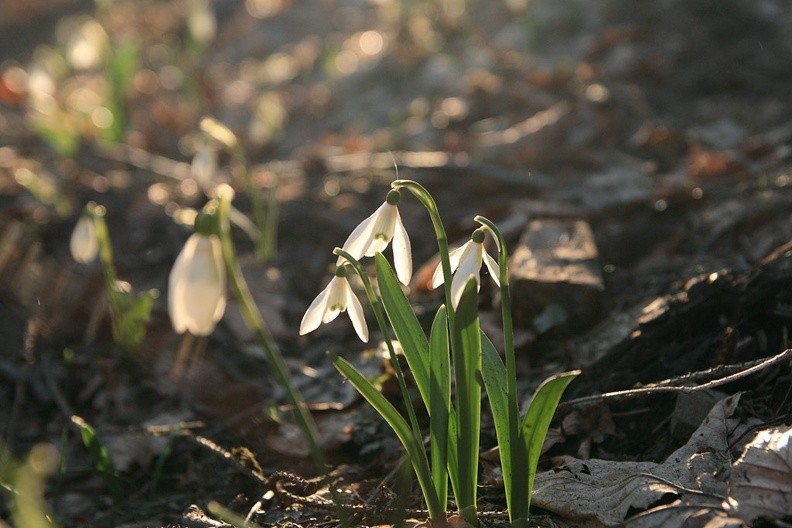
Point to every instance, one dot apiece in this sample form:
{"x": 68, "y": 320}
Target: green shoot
{"x": 129, "y": 313}
{"x": 102, "y": 462}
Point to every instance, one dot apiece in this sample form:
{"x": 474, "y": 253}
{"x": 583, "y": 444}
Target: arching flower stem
{"x": 506, "y": 308}
{"x": 419, "y": 461}
{"x": 518, "y": 509}
{"x": 256, "y": 323}
{"x": 381, "y": 321}
{"x": 464, "y": 478}
{"x": 420, "y": 192}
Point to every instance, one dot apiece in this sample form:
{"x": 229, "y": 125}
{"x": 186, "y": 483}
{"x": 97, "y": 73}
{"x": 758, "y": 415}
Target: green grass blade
{"x": 406, "y": 326}
{"x": 101, "y": 457}
{"x": 537, "y": 420}
{"x": 467, "y": 366}
{"x": 439, "y": 402}
{"x": 413, "y": 446}
{"x": 506, "y": 416}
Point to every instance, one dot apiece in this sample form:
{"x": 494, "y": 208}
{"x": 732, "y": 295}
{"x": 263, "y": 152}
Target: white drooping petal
{"x": 355, "y": 311}
{"x": 313, "y": 316}
{"x": 453, "y": 257}
{"x": 358, "y": 241}
{"x": 469, "y": 265}
{"x": 176, "y": 286}
{"x": 197, "y": 286}
{"x": 492, "y": 266}
{"x": 84, "y": 244}
{"x": 402, "y": 252}
{"x": 382, "y": 231}
{"x": 336, "y": 299}
{"x": 219, "y": 263}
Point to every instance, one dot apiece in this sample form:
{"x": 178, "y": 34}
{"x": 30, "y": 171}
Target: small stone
{"x": 690, "y": 411}
{"x": 194, "y": 517}
{"x": 555, "y": 268}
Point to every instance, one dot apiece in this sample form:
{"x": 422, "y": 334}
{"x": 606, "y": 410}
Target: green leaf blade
{"x": 439, "y": 402}
{"x": 505, "y": 414}
{"x": 537, "y": 420}
{"x": 102, "y": 461}
{"x": 413, "y": 446}
{"x": 467, "y": 368}
{"x": 406, "y": 326}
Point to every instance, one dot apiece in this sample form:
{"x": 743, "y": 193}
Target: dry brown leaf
{"x": 608, "y": 493}
{"x": 761, "y": 480}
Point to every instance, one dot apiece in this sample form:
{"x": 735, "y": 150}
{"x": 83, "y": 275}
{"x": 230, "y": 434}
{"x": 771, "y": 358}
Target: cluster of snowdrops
{"x": 455, "y": 352}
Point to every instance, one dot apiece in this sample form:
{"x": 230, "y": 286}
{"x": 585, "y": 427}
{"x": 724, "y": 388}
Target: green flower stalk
{"x": 442, "y": 240}
{"x": 265, "y": 218}
{"x": 214, "y": 222}
{"x": 464, "y": 423}
{"x": 520, "y": 440}
{"x": 255, "y": 322}
{"x": 434, "y": 493}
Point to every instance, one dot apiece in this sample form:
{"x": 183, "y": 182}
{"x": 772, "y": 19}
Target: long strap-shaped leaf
{"x": 506, "y": 416}
{"x": 439, "y": 402}
{"x": 537, "y": 420}
{"x": 406, "y": 326}
{"x": 413, "y": 445}
{"x": 467, "y": 366}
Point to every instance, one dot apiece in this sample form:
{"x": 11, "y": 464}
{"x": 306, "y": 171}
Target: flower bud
{"x": 84, "y": 244}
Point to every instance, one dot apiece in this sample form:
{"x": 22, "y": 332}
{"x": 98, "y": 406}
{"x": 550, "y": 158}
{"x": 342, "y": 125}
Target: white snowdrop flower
{"x": 204, "y": 164}
{"x": 197, "y": 286}
{"x": 337, "y": 297}
{"x": 375, "y": 233}
{"x": 466, "y": 264}
{"x": 84, "y": 243}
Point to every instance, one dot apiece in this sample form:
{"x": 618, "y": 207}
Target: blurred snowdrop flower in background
{"x": 204, "y": 164}
{"x": 84, "y": 244}
{"x": 466, "y": 263}
{"x": 197, "y": 286}
{"x": 375, "y": 233}
{"x": 88, "y": 45}
{"x": 337, "y": 297}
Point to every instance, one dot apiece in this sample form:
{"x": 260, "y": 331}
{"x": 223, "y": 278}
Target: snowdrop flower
{"x": 204, "y": 164}
{"x": 84, "y": 243}
{"x": 466, "y": 262}
{"x": 337, "y": 297}
{"x": 375, "y": 233}
{"x": 197, "y": 286}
